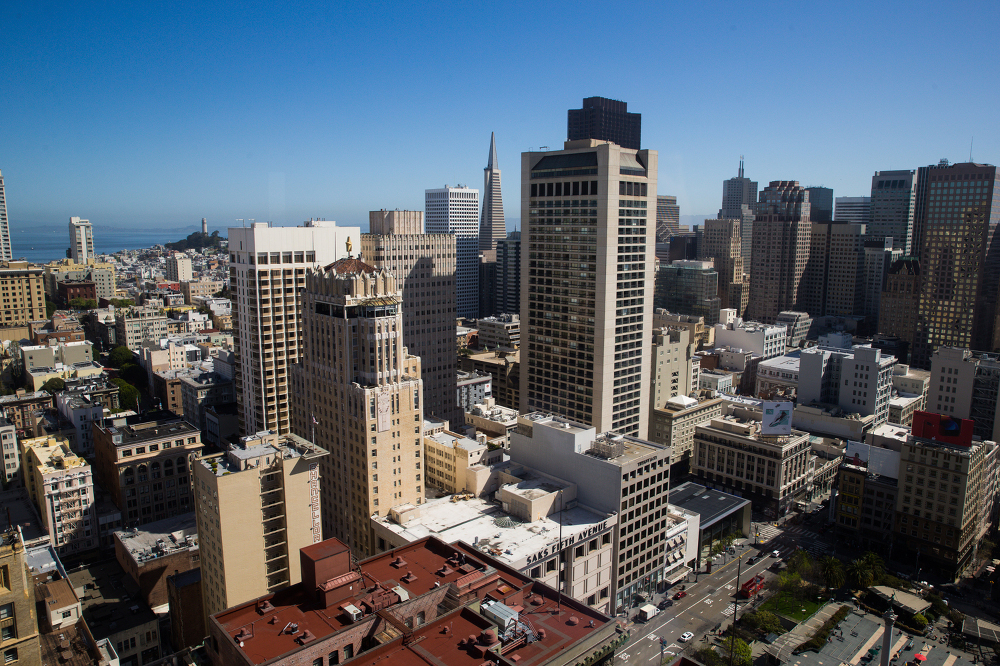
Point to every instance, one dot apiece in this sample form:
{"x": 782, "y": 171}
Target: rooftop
{"x": 710, "y": 504}
{"x": 149, "y": 426}
{"x": 23, "y": 515}
{"x": 67, "y": 646}
{"x": 448, "y": 438}
{"x": 160, "y": 538}
{"x": 107, "y": 606}
{"x": 492, "y": 530}
{"x": 246, "y": 453}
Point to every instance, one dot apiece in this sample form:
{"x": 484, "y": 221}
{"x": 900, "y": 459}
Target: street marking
{"x": 623, "y": 656}
{"x": 652, "y": 636}
{"x": 727, "y": 586}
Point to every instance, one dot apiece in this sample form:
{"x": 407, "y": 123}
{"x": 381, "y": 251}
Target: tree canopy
{"x": 120, "y": 356}
{"x": 196, "y": 241}
{"x": 54, "y": 385}
{"x": 128, "y": 395}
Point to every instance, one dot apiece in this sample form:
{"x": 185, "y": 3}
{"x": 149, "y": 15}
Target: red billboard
{"x": 942, "y": 428}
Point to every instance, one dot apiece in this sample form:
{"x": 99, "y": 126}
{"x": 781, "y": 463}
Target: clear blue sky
{"x": 159, "y": 114}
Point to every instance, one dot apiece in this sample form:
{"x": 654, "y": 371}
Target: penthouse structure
{"x": 257, "y": 505}
{"x": 432, "y": 603}
{"x": 613, "y": 473}
{"x": 142, "y": 461}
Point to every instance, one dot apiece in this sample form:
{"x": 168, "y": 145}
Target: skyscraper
{"x": 491, "y": 224}
{"x": 880, "y": 254}
{"x": 959, "y": 261}
{"x": 781, "y": 240}
{"x": 606, "y": 120}
{"x": 820, "y": 203}
{"x": 900, "y": 300}
{"x": 587, "y": 283}
{"x": 455, "y": 210}
{"x": 689, "y": 288}
{"x": 834, "y": 278}
{"x": 424, "y": 267}
{"x": 893, "y": 203}
{"x": 81, "y": 240}
{"x": 723, "y": 244}
{"x": 739, "y": 199}
{"x": 508, "y": 285}
{"x": 668, "y": 218}
{"x": 920, "y": 207}
{"x": 5, "y": 250}
{"x": 359, "y": 388}
{"x": 853, "y": 209}
{"x": 267, "y": 270}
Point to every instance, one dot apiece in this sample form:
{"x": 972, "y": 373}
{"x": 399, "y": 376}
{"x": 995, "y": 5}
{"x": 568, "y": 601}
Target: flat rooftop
{"x": 107, "y": 606}
{"x": 161, "y": 538}
{"x": 23, "y": 515}
{"x": 450, "y": 439}
{"x": 711, "y": 505}
{"x": 491, "y": 530}
{"x": 148, "y": 426}
{"x": 787, "y": 363}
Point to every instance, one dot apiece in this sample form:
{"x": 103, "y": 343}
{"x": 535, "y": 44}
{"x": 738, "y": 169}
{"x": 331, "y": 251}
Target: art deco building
{"x": 5, "y": 251}
{"x": 897, "y": 313}
{"x": 723, "y": 243}
{"x": 668, "y": 218}
{"x": 739, "y": 199}
{"x": 424, "y": 267}
{"x": 587, "y": 283}
{"x": 781, "y": 239}
{"x": 359, "y": 396}
{"x": 267, "y": 270}
{"x": 959, "y": 261}
{"x": 257, "y": 505}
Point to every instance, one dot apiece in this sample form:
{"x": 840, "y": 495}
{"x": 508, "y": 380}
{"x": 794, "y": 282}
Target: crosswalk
{"x": 764, "y": 532}
{"x": 801, "y": 532}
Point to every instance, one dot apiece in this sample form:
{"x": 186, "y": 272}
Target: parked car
{"x": 686, "y": 636}
{"x": 666, "y": 603}
{"x": 680, "y": 595}
{"x": 776, "y": 553}
{"x": 751, "y": 560}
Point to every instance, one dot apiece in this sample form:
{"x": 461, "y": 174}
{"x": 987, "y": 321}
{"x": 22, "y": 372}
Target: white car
{"x": 686, "y": 636}
{"x": 776, "y": 553}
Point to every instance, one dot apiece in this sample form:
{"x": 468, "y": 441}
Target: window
{"x": 10, "y": 656}
{"x": 333, "y": 658}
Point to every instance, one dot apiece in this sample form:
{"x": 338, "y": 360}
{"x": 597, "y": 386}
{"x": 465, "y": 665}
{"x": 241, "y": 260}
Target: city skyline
{"x": 261, "y": 116}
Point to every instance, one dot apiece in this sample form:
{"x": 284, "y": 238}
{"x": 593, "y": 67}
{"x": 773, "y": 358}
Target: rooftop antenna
{"x": 741, "y": 167}
{"x": 970, "y": 147}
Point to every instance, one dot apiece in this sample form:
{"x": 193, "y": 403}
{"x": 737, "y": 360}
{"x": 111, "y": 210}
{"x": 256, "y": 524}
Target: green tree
{"x": 801, "y": 563}
{"x": 709, "y": 657}
{"x": 769, "y": 622}
{"x": 120, "y": 356}
{"x": 919, "y": 621}
{"x": 861, "y": 574}
{"x": 737, "y": 650}
{"x": 874, "y": 564}
{"x": 832, "y": 571}
{"x": 128, "y": 395}
{"x": 50, "y": 308}
{"x": 134, "y": 375}
{"x": 54, "y": 385}
{"x": 82, "y": 303}
{"x": 122, "y": 302}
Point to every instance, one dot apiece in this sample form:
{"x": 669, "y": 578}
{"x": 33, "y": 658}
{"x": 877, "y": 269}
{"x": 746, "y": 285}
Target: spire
{"x": 741, "y": 167}
{"x": 492, "y": 163}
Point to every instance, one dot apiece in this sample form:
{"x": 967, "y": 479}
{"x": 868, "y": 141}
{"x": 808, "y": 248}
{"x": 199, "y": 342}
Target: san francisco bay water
{"x": 44, "y": 244}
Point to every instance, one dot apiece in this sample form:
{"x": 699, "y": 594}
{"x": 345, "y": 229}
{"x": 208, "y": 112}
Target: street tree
{"x": 832, "y": 571}
{"x": 736, "y": 650}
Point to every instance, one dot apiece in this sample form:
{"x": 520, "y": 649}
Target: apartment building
{"x": 731, "y": 454}
{"x": 135, "y": 326}
{"x": 448, "y": 455}
{"x": 358, "y": 392}
{"x": 675, "y": 366}
{"x": 10, "y": 459}
{"x": 765, "y": 341}
{"x": 178, "y": 268}
{"x": 859, "y": 380}
{"x": 23, "y": 293}
{"x": 100, "y": 273}
{"x": 267, "y": 271}
{"x": 19, "y": 642}
{"x": 944, "y": 473}
{"x": 500, "y": 332}
{"x": 267, "y": 481}
{"x": 81, "y": 240}
{"x": 613, "y": 473}
{"x": 193, "y": 289}
{"x": 143, "y": 462}
{"x": 61, "y": 485}
{"x": 673, "y": 426}
{"x": 965, "y": 384}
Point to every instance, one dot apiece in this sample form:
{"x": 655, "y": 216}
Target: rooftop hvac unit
{"x": 354, "y": 613}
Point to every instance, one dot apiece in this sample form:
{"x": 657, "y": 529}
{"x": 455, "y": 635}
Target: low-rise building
{"x": 448, "y": 455}
{"x": 10, "y": 458}
{"x": 82, "y": 413}
{"x": 203, "y": 391}
{"x": 719, "y": 515}
{"x": 136, "y": 325}
{"x": 701, "y": 334}
{"x": 61, "y": 486}
{"x": 502, "y": 332}
{"x": 675, "y": 366}
{"x": 155, "y": 551}
{"x": 193, "y": 289}
{"x": 673, "y": 425}
{"x": 796, "y": 325}
{"x": 83, "y": 370}
{"x": 474, "y": 388}
{"x": 778, "y": 377}
{"x": 35, "y": 357}
{"x": 19, "y": 407}
{"x": 832, "y": 421}
{"x": 867, "y": 488}
{"x": 492, "y": 420}
{"x": 504, "y": 368}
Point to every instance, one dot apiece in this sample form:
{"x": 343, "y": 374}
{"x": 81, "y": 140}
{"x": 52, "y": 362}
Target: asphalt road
{"x": 709, "y": 602}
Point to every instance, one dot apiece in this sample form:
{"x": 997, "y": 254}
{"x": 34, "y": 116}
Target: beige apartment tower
{"x": 424, "y": 268}
{"x": 24, "y": 294}
{"x": 257, "y": 505}
{"x": 61, "y": 485}
{"x": 587, "y": 283}
{"x": 359, "y": 395}
{"x": 267, "y": 271}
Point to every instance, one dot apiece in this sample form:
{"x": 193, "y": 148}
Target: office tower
{"x": 820, "y": 204}
{"x": 853, "y": 209}
{"x": 782, "y": 234}
{"x": 867, "y": 380}
{"x": 508, "y": 286}
{"x": 689, "y": 287}
{"x": 900, "y": 300}
{"x": 797, "y": 324}
{"x": 267, "y": 269}
{"x": 920, "y": 205}
{"x": 966, "y": 385}
{"x": 610, "y": 470}
{"x": 491, "y": 225}
{"x": 179, "y": 267}
{"x": 455, "y": 210}
{"x": 682, "y": 246}
{"x": 20, "y": 641}
{"x": 135, "y": 456}
{"x": 487, "y": 306}
{"x": 943, "y": 527}
{"x": 424, "y": 267}
{"x": 880, "y": 254}
{"x": 25, "y": 299}
{"x": 722, "y": 242}
{"x": 893, "y": 204}
{"x": 5, "y": 249}
{"x": 833, "y": 281}
{"x": 587, "y": 283}
{"x": 739, "y": 199}
{"x": 606, "y": 120}
{"x": 668, "y": 218}
{"x": 359, "y": 389}
{"x": 204, "y": 225}
{"x": 959, "y": 261}
{"x": 257, "y": 505}
{"x": 61, "y": 485}
{"x": 81, "y": 240}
